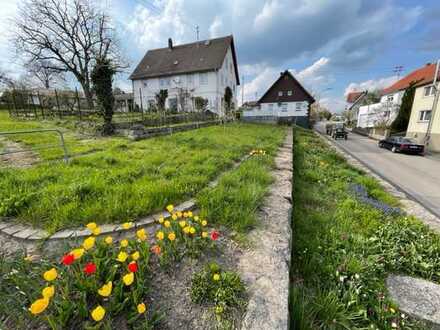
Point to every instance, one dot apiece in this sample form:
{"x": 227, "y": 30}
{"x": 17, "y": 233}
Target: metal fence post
{"x": 41, "y": 104}
{"x": 142, "y": 107}
{"x": 79, "y": 105}
{"x": 58, "y": 104}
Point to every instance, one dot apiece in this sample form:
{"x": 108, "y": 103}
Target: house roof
{"x": 200, "y": 56}
{"x": 422, "y": 76}
{"x": 354, "y": 96}
{"x": 280, "y": 84}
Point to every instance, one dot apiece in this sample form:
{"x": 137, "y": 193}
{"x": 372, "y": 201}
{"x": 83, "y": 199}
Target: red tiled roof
{"x": 353, "y": 96}
{"x": 422, "y": 76}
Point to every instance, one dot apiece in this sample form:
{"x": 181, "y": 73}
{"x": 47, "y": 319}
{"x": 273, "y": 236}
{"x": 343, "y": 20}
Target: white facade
{"x": 384, "y": 112}
{"x": 284, "y": 109}
{"x": 208, "y": 85}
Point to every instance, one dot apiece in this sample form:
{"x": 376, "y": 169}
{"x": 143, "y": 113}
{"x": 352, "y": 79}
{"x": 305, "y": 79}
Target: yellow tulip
{"x": 161, "y": 219}
{"x": 196, "y": 218}
{"x": 135, "y": 255}
{"x": 186, "y": 229}
{"x": 108, "y": 240}
{"x": 48, "y": 292}
{"x": 204, "y": 234}
{"x": 141, "y": 234}
{"x": 190, "y": 214}
{"x": 171, "y": 236}
{"x": 182, "y": 223}
{"x": 179, "y": 214}
{"x": 106, "y": 289}
{"x": 39, "y": 306}
{"x": 174, "y": 216}
{"x": 204, "y": 223}
{"x": 192, "y": 230}
{"x": 77, "y": 253}
{"x": 122, "y": 256}
{"x": 167, "y": 224}
{"x": 89, "y": 243}
{"x": 128, "y": 279}
{"x": 160, "y": 235}
{"x": 124, "y": 243}
{"x": 127, "y": 225}
{"x": 141, "y": 308}
{"x": 98, "y": 313}
{"x": 91, "y": 226}
{"x": 170, "y": 208}
{"x": 50, "y": 275}
{"x": 96, "y": 231}
{"x": 216, "y": 277}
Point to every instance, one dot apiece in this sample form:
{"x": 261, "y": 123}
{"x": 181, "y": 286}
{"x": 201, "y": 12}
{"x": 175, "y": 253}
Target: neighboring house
{"x": 354, "y": 101}
{"x": 285, "y": 101}
{"x": 385, "y": 112}
{"x": 124, "y": 102}
{"x": 201, "y": 69}
{"x": 424, "y": 119}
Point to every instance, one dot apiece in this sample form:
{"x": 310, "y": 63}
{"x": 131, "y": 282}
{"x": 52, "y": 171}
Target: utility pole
{"x": 242, "y": 90}
{"x": 398, "y": 70}
{"x": 434, "y": 105}
{"x": 197, "y": 32}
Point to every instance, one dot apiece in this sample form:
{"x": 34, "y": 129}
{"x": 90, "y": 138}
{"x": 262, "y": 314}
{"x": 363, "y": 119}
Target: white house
{"x": 286, "y": 101}
{"x": 201, "y": 69}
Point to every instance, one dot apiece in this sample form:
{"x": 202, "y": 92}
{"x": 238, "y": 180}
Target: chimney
{"x": 428, "y": 64}
{"x": 170, "y": 43}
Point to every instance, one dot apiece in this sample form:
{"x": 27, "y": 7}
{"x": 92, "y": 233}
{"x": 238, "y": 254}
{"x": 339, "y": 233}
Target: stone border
{"x": 265, "y": 267}
{"x": 28, "y": 234}
{"x": 409, "y": 205}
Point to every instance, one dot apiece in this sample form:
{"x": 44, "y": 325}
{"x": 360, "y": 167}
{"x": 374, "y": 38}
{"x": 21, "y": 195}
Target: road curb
{"x": 411, "y": 204}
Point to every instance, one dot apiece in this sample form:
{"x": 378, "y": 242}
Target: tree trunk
{"x": 87, "y": 93}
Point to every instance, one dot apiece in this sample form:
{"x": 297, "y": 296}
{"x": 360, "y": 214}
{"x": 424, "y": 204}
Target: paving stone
{"x": 24, "y": 234}
{"x": 4, "y": 225}
{"x": 146, "y": 221}
{"x": 12, "y": 229}
{"x": 63, "y": 234}
{"x": 416, "y": 297}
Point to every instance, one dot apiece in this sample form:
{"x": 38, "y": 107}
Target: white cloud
{"x": 216, "y": 27}
{"x": 372, "y": 84}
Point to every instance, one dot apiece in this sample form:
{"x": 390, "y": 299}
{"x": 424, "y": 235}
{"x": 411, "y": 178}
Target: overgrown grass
{"x": 235, "y": 200}
{"x": 343, "y": 250}
{"x": 126, "y": 179}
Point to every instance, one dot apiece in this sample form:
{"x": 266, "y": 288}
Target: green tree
{"x": 228, "y": 98}
{"x": 102, "y": 80}
{"x": 400, "y": 124}
{"x": 161, "y": 98}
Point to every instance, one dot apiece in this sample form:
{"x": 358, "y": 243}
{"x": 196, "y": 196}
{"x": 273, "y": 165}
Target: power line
{"x": 398, "y": 70}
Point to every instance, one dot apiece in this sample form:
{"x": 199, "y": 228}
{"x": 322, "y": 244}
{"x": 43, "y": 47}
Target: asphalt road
{"x": 417, "y": 176}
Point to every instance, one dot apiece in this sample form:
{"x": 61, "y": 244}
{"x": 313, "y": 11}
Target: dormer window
{"x": 289, "y": 93}
{"x": 280, "y": 93}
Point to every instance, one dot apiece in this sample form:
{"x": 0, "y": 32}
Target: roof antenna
{"x": 197, "y": 32}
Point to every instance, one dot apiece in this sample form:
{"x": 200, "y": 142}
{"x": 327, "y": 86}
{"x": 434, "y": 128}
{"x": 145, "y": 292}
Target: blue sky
{"x": 332, "y": 46}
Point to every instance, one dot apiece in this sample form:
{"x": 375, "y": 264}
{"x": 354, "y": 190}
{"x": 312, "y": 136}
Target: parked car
{"x": 402, "y": 144}
{"x": 338, "y": 131}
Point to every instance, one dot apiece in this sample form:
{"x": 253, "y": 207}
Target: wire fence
{"x": 73, "y": 105}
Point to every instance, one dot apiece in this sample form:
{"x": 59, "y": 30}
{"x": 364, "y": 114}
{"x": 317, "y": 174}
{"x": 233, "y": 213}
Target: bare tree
{"x": 69, "y": 34}
{"x": 44, "y": 72}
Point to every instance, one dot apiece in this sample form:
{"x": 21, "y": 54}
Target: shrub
{"x": 222, "y": 289}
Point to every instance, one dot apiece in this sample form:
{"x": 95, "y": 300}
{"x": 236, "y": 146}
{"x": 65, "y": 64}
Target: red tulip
{"x": 133, "y": 267}
{"x": 68, "y": 259}
{"x": 90, "y": 268}
{"x": 215, "y": 235}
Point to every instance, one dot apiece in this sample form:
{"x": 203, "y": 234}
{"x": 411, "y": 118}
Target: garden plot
{"x": 123, "y": 180}
{"x": 184, "y": 272}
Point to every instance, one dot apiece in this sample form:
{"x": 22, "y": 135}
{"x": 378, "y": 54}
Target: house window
{"x": 284, "y": 107}
{"x": 190, "y": 79}
{"x": 425, "y": 115}
{"x": 390, "y": 98}
{"x": 203, "y": 78}
{"x": 429, "y": 90}
{"x": 280, "y": 93}
{"x": 289, "y": 93}
{"x": 298, "y": 106}
{"x": 164, "y": 82}
{"x": 172, "y": 104}
{"x": 270, "y": 106}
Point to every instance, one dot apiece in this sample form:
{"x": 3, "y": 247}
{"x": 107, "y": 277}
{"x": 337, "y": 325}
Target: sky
{"x": 331, "y": 46}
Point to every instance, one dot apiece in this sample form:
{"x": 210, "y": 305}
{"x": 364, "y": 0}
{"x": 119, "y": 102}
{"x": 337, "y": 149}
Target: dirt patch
{"x": 171, "y": 290}
{"x": 12, "y": 154}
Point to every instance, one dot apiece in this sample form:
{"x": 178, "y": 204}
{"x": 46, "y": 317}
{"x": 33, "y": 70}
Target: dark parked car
{"x": 338, "y": 131}
{"x": 402, "y": 144}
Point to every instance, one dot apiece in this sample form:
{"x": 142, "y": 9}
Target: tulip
{"x": 98, "y": 313}
{"x": 106, "y": 289}
{"x": 141, "y": 308}
{"x": 39, "y": 306}
{"x": 50, "y": 275}
{"x": 128, "y": 279}
{"x": 48, "y": 292}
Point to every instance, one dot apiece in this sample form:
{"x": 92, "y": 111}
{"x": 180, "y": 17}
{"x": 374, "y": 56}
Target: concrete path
{"x": 417, "y": 176}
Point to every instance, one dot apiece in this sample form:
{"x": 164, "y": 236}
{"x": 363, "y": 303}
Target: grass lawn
{"x": 122, "y": 180}
{"x": 343, "y": 250}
